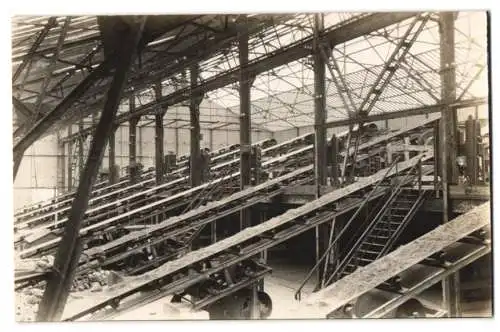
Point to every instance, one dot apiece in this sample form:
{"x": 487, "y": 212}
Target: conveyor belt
{"x": 146, "y": 196}
{"x": 371, "y": 147}
{"x": 333, "y": 297}
{"x": 138, "y": 198}
{"x": 58, "y": 210}
{"x": 245, "y": 244}
{"x": 168, "y": 202}
{"x": 134, "y": 242}
{"x": 103, "y": 185}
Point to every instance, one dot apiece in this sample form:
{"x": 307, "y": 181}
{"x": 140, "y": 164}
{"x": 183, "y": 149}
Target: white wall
{"x": 37, "y": 175}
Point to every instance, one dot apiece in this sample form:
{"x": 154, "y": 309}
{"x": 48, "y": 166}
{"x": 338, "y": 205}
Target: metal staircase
{"x": 378, "y": 233}
{"x": 385, "y": 230}
{"x": 393, "y": 214}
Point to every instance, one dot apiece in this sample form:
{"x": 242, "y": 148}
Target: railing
{"x": 340, "y": 268}
{"x": 405, "y": 221}
{"x": 367, "y": 198}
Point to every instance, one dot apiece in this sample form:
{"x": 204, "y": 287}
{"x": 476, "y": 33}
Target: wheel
{"x": 265, "y": 305}
{"x": 411, "y": 309}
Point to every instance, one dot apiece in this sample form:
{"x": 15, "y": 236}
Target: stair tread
{"x": 371, "y": 252}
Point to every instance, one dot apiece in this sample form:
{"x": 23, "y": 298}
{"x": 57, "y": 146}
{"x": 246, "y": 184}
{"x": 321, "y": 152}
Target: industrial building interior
{"x": 251, "y": 166}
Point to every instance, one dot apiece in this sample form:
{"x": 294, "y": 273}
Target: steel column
{"x": 70, "y": 161}
{"x": 334, "y": 161}
{"x": 81, "y": 146}
{"x": 471, "y": 144}
{"x": 319, "y": 105}
{"x": 211, "y": 138}
{"x": 194, "y": 110}
{"x": 61, "y": 158}
{"x": 449, "y": 173}
{"x": 132, "y": 134}
{"x": 113, "y": 177}
{"x": 159, "y": 135}
{"x": 254, "y": 301}
{"x": 67, "y": 256}
{"x": 159, "y": 138}
{"x": 320, "y": 162}
{"x": 448, "y": 90}
{"x": 437, "y": 156}
{"x": 245, "y": 85}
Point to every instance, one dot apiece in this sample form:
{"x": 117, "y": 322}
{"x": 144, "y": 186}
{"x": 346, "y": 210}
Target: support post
{"x": 471, "y": 144}
{"x": 437, "y": 156}
{"x": 81, "y": 146}
{"x": 213, "y": 232}
{"x": 319, "y": 105}
{"x": 113, "y": 176}
{"x": 449, "y": 171}
{"x": 246, "y": 82}
{"x": 334, "y": 161}
{"x": 254, "y": 301}
{"x": 61, "y": 157}
{"x": 68, "y": 255}
{"x": 194, "y": 110}
{"x": 320, "y": 164}
{"x": 70, "y": 161}
{"x": 211, "y": 139}
{"x": 132, "y": 135}
{"x": 159, "y": 136}
{"x": 406, "y": 152}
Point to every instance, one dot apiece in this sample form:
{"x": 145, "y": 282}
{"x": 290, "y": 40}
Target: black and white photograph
{"x": 250, "y": 166}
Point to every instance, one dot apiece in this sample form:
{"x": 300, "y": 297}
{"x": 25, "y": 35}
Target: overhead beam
{"x": 39, "y": 39}
{"x": 49, "y": 70}
{"x": 338, "y": 35}
{"x": 67, "y": 46}
{"x": 22, "y": 109}
{"x": 409, "y": 112}
{"x": 41, "y": 126}
{"x": 192, "y": 55}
